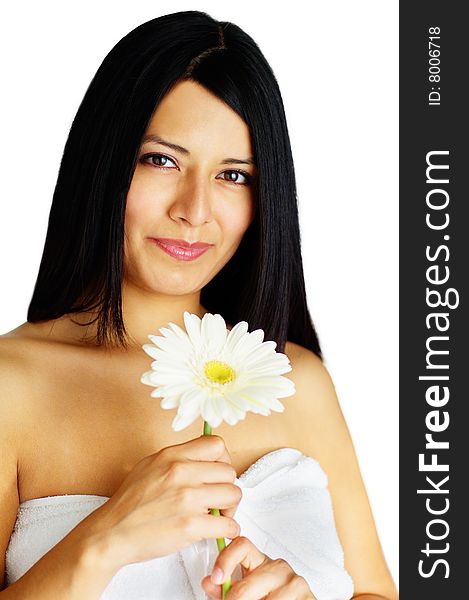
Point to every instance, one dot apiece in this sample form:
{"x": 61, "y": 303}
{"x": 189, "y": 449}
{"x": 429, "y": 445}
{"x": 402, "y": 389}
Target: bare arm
{"x": 77, "y": 567}
{"x": 319, "y": 430}
{"x": 161, "y": 506}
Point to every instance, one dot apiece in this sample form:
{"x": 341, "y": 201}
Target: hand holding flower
{"x": 217, "y": 374}
{"x": 162, "y": 504}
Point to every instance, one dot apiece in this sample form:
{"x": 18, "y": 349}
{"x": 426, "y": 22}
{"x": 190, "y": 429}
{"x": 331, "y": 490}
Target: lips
{"x": 180, "y": 249}
{"x": 182, "y": 243}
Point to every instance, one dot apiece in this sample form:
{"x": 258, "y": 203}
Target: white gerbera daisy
{"x": 215, "y": 373}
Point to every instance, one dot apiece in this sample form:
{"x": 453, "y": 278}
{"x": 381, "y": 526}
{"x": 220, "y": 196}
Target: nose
{"x": 193, "y": 202}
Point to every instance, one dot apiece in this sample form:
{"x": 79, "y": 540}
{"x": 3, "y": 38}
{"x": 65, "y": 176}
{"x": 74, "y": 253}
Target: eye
{"x": 158, "y": 160}
{"x": 233, "y": 176}
{"x": 162, "y": 161}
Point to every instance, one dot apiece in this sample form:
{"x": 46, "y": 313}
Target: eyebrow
{"x": 156, "y": 139}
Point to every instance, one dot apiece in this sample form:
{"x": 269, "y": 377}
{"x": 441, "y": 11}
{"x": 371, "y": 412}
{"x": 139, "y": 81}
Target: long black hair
{"x": 82, "y": 263}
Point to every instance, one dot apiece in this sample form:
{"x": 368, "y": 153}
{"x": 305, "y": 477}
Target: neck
{"x": 143, "y": 313}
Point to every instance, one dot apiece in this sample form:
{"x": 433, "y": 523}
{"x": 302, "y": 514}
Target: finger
{"x": 204, "y": 447}
{"x": 262, "y": 581}
{"x": 207, "y": 471}
{"x": 229, "y": 512}
{"x": 240, "y": 551}
{"x": 211, "y": 526}
{"x": 295, "y": 589}
{"x": 225, "y": 456}
{"x": 255, "y": 585}
{"x": 212, "y": 590}
{"x": 220, "y": 495}
{"x": 217, "y": 440}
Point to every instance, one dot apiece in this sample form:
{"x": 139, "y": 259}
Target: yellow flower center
{"x": 218, "y": 371}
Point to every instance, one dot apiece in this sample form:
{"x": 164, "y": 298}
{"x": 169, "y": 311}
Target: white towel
{"x": 286, "y": 511}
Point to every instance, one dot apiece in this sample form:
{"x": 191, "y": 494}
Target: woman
{"x": 179, "y": 145}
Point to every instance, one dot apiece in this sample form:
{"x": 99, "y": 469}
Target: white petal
{"x": 167, "y": 344}
{"x": 182, "y": 336}
{"x": 156, "y": 339}
{"x": 249, "y": 342}
{"x": 238, "y": 335}
{"x": 257, "y": 407}
{"x": 211, "y": 412}
{"x": 147, "y": 378}
{"x": 176, "y": 371}
{"x": 192, "y": 323}
{"x": 157, "y": 353}
{"x": 182, "y": 421}
{"x": 276, "y": 405}
{"x": 167, "y": 333}
{"x": 177, "y": 330}
{"x": 229, "y": 416}
{"x": 255, "y": 397}
{"x": 166, "y": 377}
{"x": 279, "y": 387}
{"x": 174, "y": 389}
{"x": 177, "y": 342}
{"x": 261, "y": 359}
{"x": 214, "y": 332}
{"x": 189, "y": 411}
{"x": 241, "y": 405}
{"x": 263, "y": 351}
{"x": 169, "y": 402}
{"x": 255, "y": 359}
{"x": 151, "y": 349}
{"x": 258, "y": 372}
{"x": 192, "y": 399}
{"x": 236, "y": 405}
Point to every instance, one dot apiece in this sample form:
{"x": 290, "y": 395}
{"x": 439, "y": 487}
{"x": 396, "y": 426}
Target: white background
{"x": 336, "y": 63}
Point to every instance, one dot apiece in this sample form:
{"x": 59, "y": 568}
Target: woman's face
{"x": 194, "y": 181}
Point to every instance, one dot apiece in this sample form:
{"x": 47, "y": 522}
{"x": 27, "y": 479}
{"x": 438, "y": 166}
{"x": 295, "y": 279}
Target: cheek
{"x": 141, "y": 211}
{"x": 146, "y": 192}
{"x": 132, "y": 210}
{"x": 138, "y": 220}
{"x": 235, "y": 223}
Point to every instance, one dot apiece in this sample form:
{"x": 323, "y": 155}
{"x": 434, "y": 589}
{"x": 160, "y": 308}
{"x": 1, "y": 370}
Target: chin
{"x": 175, "y": 288}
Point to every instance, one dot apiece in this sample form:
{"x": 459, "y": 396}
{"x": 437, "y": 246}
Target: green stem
{"x": 226, "y": 585}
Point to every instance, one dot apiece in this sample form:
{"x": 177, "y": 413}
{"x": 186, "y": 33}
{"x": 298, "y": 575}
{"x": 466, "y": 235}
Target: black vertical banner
{"x": 434, "y": 361}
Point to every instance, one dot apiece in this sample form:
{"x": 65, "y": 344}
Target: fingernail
{"x": 217, "y": 575}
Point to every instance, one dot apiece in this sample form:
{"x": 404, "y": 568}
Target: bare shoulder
{"x": 24, "y": 363}
{"x": 14, "y": 372}
{"x": 19, "y": 378}
{"x": 303, "y": 360}
{"x": 318, "y": 429}
{"x": 318, "y": 425}
{"x": 21, "y": 381}
{"x": 315, "y": 389}
{"x": 12, "y": 384}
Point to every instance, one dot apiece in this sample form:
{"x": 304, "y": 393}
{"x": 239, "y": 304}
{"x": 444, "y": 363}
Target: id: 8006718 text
{"x": 434, "y": 96}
